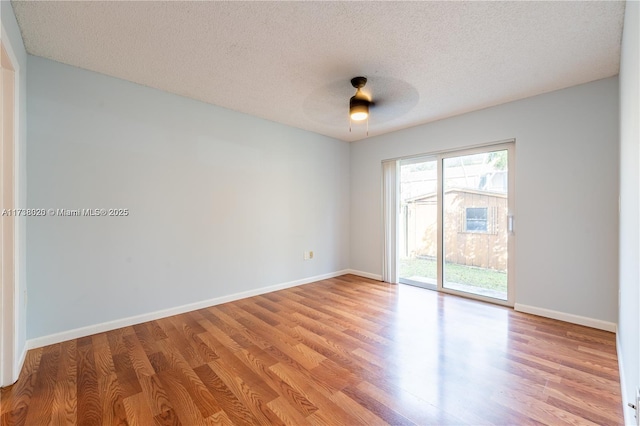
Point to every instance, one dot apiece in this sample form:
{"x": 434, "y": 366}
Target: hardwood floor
{"x": 342, "y": 351}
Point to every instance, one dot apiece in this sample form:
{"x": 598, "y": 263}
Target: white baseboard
{"x": 364, "y": 274}
{"x": 163, "y": 313}
{"x": 562, "y": 316}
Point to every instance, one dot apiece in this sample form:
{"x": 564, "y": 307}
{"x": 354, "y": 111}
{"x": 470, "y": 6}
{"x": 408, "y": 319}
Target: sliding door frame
{"x": 508, "y": 146}
{"x": 440, "y": 156}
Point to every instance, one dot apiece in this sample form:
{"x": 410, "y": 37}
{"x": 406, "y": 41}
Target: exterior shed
{"x": 475, "y": 228}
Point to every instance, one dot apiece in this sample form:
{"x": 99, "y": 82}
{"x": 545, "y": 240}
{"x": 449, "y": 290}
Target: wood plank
{"x": 137, "y": 410}
{"x": 185, "y": 408}
{"x": 41, "y": 403}
{"x": 65, "y": 409}
{"x": 198, "y": 393}
{"x": 89, "y": 403}
{"x": 167, "y": 418}
{"x": 113, "y": 411}
{"x": 328, "y": 412}
{"x": 285, "y": 412}
{"x": 260, "y": 361}
{"x": 414, "y": 409}
{"x": 250, "y": 396}
{"x": 103, "y": 355}
{"x": 234, "y": 409}
{"x": 145, "y": 337}
{"x": 139, "y": 360}
{"x": 155, "y": 395}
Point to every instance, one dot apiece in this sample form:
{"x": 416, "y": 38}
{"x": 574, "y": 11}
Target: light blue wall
{"x": 220, "y": 202}
{"x": 629, "y": 319}
{"x": 10, "y": 25}
{"x": 566, "y": 192}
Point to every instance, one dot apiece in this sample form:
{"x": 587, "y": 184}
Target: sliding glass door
{"x": 418, "y": 222}
{"x": 455, "y": 222}
{"x": 475, "y": 223}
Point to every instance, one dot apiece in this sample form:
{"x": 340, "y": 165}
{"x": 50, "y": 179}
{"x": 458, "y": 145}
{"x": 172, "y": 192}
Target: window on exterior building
{"x": 476, "y": 219}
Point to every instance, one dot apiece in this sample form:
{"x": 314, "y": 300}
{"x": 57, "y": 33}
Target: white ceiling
{"x": 291, "y": 62}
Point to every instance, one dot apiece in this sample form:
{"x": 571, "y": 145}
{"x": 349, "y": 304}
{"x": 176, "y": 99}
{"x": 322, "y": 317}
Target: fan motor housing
{"x": 357, "y": 102}
{"x": 358, "y": 82}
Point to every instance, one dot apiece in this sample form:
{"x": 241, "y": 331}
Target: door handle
{"x": 510, "y": 223}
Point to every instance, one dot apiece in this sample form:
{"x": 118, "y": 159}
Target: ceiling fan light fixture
{"x": 358, "y": 108}
{"x": 359, "y": 103}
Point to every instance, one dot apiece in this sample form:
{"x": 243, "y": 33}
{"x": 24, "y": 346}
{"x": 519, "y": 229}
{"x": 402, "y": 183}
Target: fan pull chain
{"x": 350, "y": 123}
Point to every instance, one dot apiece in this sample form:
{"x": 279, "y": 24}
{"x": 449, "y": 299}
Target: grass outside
{"x": 455, "y": 273}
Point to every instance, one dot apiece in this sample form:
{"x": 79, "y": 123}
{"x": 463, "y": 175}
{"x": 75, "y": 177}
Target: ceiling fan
{"x": 383, "y": 99}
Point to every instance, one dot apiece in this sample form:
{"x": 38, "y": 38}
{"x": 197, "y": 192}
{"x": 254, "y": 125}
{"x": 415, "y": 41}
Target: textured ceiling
{"x": 291, "y": 62}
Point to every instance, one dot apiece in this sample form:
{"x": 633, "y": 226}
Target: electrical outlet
{"x": 305, "y": 255}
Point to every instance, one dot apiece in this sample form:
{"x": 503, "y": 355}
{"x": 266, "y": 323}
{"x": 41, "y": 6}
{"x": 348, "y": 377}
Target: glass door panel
{"x": 475, "y": 235}
{"x": 418, "y": 222}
